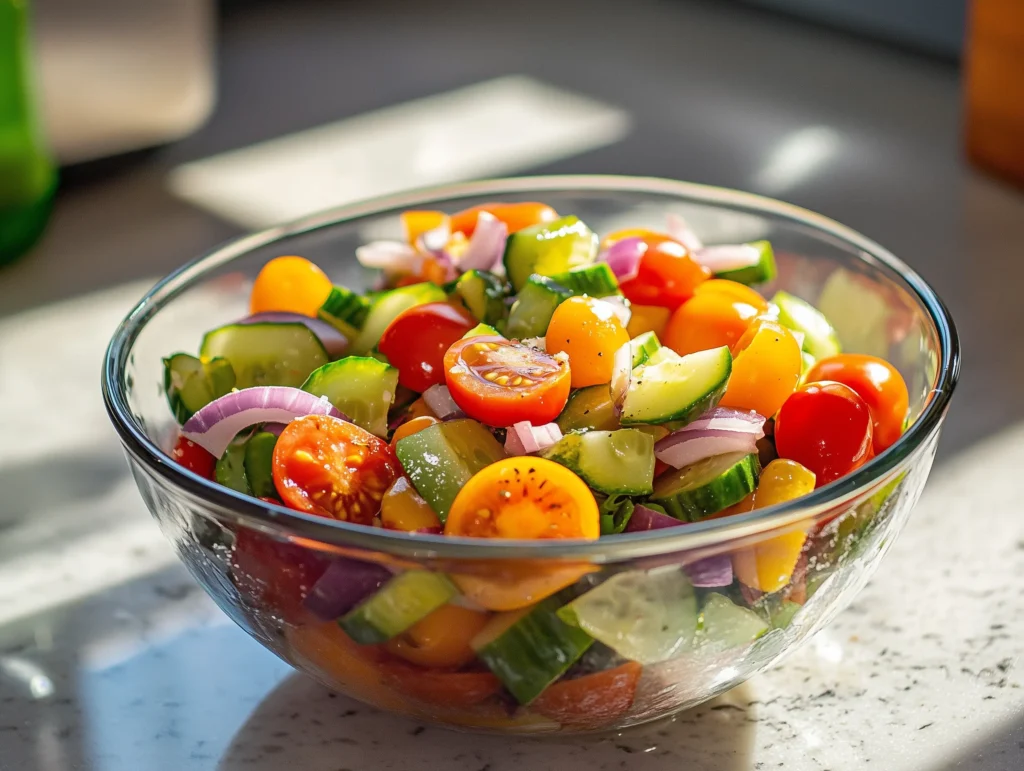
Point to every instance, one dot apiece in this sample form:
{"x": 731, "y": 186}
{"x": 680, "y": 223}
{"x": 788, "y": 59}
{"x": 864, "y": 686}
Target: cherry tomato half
{"x": 878, "y": 383}
{"x": 668, "y": 274}
{"x": 515, "y": 215}
{"x": 333, "y": 468}
{"x": 825, "y": 427}
{"x": 589, "y": 333}
{"x": 290, "y": 284}
{"x": 193, "y": 457}
{"x": 416, "y": 341}
{"x": 500, "y": 382}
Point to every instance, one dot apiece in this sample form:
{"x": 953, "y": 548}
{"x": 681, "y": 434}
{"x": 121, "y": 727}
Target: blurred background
{"x": 135, "y": 136}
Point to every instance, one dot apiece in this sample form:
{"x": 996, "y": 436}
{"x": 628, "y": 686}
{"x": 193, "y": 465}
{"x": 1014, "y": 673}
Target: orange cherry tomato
{"x": 825, "y": 427}
{"x": 443, "y": 689}
{"x": 412, "y": 426}
{"x": 709, "y": 320}
{"x": 193, "y": 457}
{"x": 402, "y": 508}
{"x": 441, "y": 639}
{"x": 668, "y": 275}
{"x": 591, "y": 701}
{"x": 524, "y": 497}
{"x": 735, "y": 290}
{"x": 647, "y": 318}
{"x": 766, "y": 369}
{"x": 416, "y": 223}
{"x": 419, "y": 409}
{"x": 330, "y": 467}
{"x": 878, "y": 383}
{"x": 290, "y": 284}
{"x": 416, "y": 341}
{"x": 500, "y": 382}
{"x": 515, "y": 215}
{"x": 514, "y": 584}
{"x": 588, "y": 332}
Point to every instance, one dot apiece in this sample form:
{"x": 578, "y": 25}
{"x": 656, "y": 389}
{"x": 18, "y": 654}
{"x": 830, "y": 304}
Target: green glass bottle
{"x": 28, "y": 178}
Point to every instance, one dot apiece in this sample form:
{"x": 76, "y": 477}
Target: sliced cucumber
{"x": 396, "y": 606}
{"x": 531, "y": 313}
{"x": 645, "y": 616}
{"x": 482, "y": 329}
{"x": 858, "y": 311}
{"x": 643, "y": 347}
{"x": 615, "y": 513}
{"x": 440, "y": 459}
{"x": 361, "y": 387}
{"x": 191, "y": 384}
{"x": 528, "y": 650}
{"x": 707, "y": 486}
{"x": 820, "y": 338}
{"x": 727, "y": 625}
{"x": 760, "y": 273}
{"x": 350, "y": 332}
{"x": 610, "y": 462}
{"x": 483, "y": 293}
{"x": 596, "y": 280}
{"x": 589, "y": 408}
{"x": 548, "y": 248}
{"x": 387, "y": 306}
{"x": 346, "y": 305}
{"x": 676, "y": 388}
{"x": 258, "y": 461}
{"x": 265, "y": 354}
{"x": 230, "y": 469}
{"x": 782, "y": 614}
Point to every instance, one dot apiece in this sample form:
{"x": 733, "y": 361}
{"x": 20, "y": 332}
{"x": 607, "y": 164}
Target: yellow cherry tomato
{"x": 412, "y": 426}
{"x": 769, "y": 565}
{"x": 416, "y": 223}
{"x": 419, "y": 409}
{"x": 441, "y": 639}
{"x": 647, "y": 318}
{"x": 402, "y": 508}
{"x": 766, "y": 368}
{"x": 290, "y": 284}
{"x": 587, "y": 331}
{"x": 708, "y": 320}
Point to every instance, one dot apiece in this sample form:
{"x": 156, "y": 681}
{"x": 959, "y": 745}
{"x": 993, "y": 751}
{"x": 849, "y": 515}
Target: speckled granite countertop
{"x": 111, "y": 658}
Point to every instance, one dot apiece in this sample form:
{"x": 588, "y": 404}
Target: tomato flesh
{"x": 330, "y": 467}
{"x": 193, "y": 457}
{"x": 416, "y": 341}
{"x": 668, "y": 275}
{"x": 825, "y": 427}
{"x": 500, "y": 382}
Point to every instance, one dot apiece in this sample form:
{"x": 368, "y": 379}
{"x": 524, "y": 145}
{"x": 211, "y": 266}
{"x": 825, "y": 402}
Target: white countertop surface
{"x": 112, "y": 659}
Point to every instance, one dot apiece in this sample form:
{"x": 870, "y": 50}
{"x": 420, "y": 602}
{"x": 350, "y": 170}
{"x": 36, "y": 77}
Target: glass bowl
{"x": 260, "y": 561}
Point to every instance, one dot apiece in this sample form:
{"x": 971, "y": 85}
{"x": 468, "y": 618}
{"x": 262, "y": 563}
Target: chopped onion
{"x": 525, "y": 439}
{"x": 683, "y": 233}
{"x": 620, "y": 308}
{"x": 216, "y": 424}
{"x": 487, "y": 244}
{"x": 333, "y": 341}
{"x": 622, "y": 373}
{"x": 538, "y": 343}
{"x": 728, "y": 257}
{"x": 697, "y": 445}
{"x": 649, "y": 519}
{"x": 390, "y": 256}
{"x": 435, "y": 240}
{"x": 723, "y": 419}
{"x": 710, "y": 572}
{"x": 345, "y": 584}
{"x": 624, "y": 256}
{"x": 441, "y": 403}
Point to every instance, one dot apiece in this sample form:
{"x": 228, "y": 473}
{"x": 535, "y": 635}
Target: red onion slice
{"x": 525, "y": 439}
{"x": 683, "y": 233}
{"x": 390, "y": 256}
{"x": 441, "y": 403}
{"x": 435, "y": 240}
{"x": 624, "y": 256}
{"x": 724, "y": 419}
{"x": 728, "y": 257}
{"x": 697, "y": 445}
{"x": 332, "y": 340}
{"x": 345, "y": 584}
{"x": 487, "y": 245}
{"x": 622, "y": 373}
{"x": 216, "y": 424}
{"x": 620, "y": 308}
{"x": 710, "y": 572}
{"x": 649, "y": 519}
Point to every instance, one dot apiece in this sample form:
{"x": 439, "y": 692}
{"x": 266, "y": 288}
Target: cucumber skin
{"x": 484, "y": 290}
{"x": 588, "y": 408}
{"x": 357, "y": 370}
{"x": 275, "y": 373}
{"x": 259, "y": 452}
{"x": 543, "y": 647}
{"x": 595, "y": 280}
{"x": 686, "y": 413}
{"x": 643, "y": 346}
{"x": 572, "y": 452}
{"x": 230, "y": 469}
{"x": 215, "y": 378}
{"x": 348, "y": 306}
{"x": 525, "y": 242}
{"x": 535, "y": 305}
{"x": 372, "y": 621}
{"x": 485, "y": 330}
{"x": 724, "y": 491}
{"x": 761, "y": 273}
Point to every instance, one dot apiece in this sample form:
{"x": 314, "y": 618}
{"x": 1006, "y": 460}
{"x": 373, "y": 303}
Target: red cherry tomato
{"x": 333, "y": 468}
{"x": 667, "y": 276}
{"x": 193, "y": 457}
{"x": 826, "y": 427}
{"x": 416, "y": 341}
{"x": 274, "y": 575}
{"x": 878, "y": 383}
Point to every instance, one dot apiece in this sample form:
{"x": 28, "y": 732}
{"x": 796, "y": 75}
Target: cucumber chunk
{"x": 346, "y": 305}
{"x": 760, "y": 273}
{"x": 589, "y": 408}
{"x": 396, "y": 606}
{"x": 350, "y": 332}
{"x": 596, "y": 280}
{"x": 482, "y": 330}
{"x": 727, "y": 625}
{"x": 707, "y": 486}
{"x": 532, "y": 311}
{"x": 483, "y": 293}
{"x": 676, "y": 388}
{"x": 265, "y": 354}
{"x": 258, "y": 463}
{"x": 643, "y": 347}
{"x": 230, "y": 469}
{"x": 191, "y": 384}
{"x": 529, "y": 649}
{"x": 440, "y": 459}
{"x": 611, "y": 462}
{"x": 387, "y": 305}
{"x": 363, "y": 388}
{"x": 820, "y": 340}
{"x": 548, "y": 248}
{"x": 646, "y": 616}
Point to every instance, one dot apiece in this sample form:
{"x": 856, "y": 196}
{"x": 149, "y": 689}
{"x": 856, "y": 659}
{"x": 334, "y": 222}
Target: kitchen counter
{"x": 111, "y": 658}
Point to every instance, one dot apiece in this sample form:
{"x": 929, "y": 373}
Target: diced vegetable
{"x": 482, "y": 330}
{"x": 586, "y": 330}
{"x": 230, "y": 469}
{"x": 548, "y": 248}
{"x": 595, "y": 280}
{"x": 290, "y": 284}
{"x": 752, "y": 263}
{"x": 609, "y": 461}
{"x": 483, "y": 293}
{"x": 265, "y": 354}
{"x": 400, "y": 603}
{"x": 387, "y": 306}
{"x": 258, "y": 460}
{"x": 344, "y": 304}
{"x": 589, "y": 408}
{"x": 535, "y": 304}
{"x": 820, "y": 338}
{"x": 360, "y": 387}
{"x": 676, "y": 388}
{"x": 191, "y": 384}
{"x": 695, "y": 492}
{"x": 726, "y": 625}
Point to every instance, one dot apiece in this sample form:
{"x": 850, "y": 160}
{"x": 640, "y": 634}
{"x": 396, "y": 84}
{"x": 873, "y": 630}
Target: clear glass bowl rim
{"x": 330, "y": 534}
